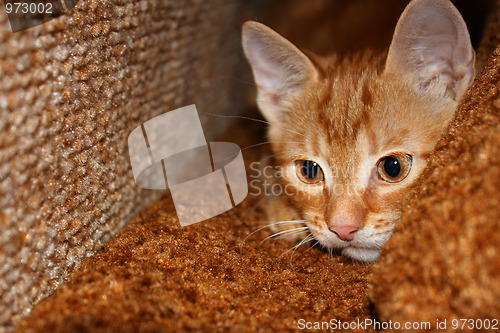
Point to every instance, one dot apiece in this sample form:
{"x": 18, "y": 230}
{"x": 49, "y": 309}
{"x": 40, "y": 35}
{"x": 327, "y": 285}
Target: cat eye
{"x": 394, "y": 168}
{"x": 309, "y": 172}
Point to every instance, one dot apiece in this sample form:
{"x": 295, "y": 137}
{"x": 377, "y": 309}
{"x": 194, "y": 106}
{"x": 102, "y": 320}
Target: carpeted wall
{"x": 71, "y": 91}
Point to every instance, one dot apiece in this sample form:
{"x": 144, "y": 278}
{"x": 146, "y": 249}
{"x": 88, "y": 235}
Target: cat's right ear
{"x": 279, "y": 68}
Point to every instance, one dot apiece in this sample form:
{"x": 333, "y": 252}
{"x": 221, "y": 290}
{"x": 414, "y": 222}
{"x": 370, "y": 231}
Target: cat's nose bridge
{"x": 345, "y": 182}
{"x": 345, "y": 216}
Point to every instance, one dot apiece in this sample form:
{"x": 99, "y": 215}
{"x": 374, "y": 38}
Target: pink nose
{"x": 345, "y": 232}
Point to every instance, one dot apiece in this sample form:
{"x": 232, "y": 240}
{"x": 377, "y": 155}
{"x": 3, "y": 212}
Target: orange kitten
{"x": 351, "y": 135}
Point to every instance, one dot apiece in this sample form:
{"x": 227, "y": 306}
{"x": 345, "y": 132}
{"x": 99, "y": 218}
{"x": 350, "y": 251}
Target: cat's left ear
{"x": 431, "y": 44}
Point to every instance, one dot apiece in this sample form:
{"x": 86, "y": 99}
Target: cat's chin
{"x": 362, "y": 255}
{"x": 365, "y": 248}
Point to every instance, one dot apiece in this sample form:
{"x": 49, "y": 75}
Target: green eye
{"x": 394, "y": 168}
{"x": 309, "y": 172}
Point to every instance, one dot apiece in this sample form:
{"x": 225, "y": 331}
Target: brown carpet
{"x": 155, "y": 276}
{"x": 443, "y": 261}
{"x": 67, "y": 188}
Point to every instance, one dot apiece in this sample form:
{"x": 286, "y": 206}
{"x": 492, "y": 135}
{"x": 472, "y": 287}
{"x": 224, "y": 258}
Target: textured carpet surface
{"x": 71, "y": 91}
{"x": 155, "y": 276}
{"x": 443, "y": 261}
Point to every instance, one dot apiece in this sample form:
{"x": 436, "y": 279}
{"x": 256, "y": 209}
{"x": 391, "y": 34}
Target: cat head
{"x": 352, "y": 135}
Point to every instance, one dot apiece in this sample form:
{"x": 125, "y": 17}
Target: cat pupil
{"x": 310, "y": 169}
{"x": 392, "y": 166}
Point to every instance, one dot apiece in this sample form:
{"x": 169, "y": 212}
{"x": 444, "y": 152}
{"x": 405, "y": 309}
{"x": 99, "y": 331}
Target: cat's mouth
{"x": 350, "y": 245}
{"x": 357, "y": 246}
{"x": 364, "y": 248}
{"x": 361, "y": 254}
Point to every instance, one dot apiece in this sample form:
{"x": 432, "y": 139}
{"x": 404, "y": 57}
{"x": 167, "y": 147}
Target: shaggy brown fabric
{"x": 120, "y": 64}
{"x": 443, "y": 261}
{"x": 155, "y": 276}
{"x": 71, "y": 91}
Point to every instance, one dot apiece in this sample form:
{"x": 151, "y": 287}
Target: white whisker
{"x": 295, "y": 230}
{"x": 270, "y": 225}
{"x": 310, "y": 247}
{"x": 305, "y": 240}
{"x": 330, "y": 253}
{"x": 253, "y": 119}
{"x": 291, "y": 234}
{"x": 265, "y": 158}
{"x": 229, "y": 158}
{"x": 267, "y": 142}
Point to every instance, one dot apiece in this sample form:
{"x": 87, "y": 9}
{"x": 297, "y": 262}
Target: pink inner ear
{"x": 279, "y": 68}
{"x": 431, "y": 43}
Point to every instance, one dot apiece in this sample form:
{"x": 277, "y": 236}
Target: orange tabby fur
{"x": 346, "y": 114}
